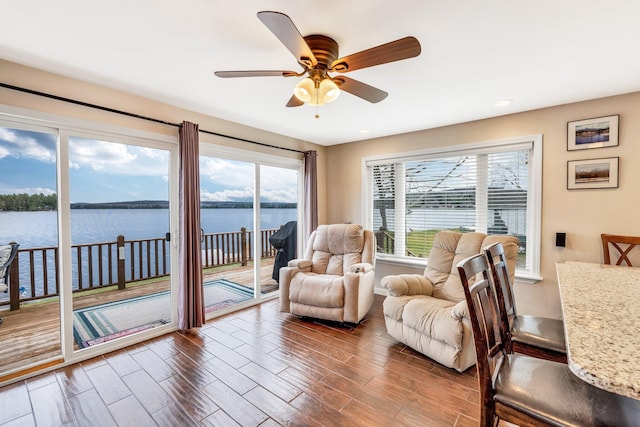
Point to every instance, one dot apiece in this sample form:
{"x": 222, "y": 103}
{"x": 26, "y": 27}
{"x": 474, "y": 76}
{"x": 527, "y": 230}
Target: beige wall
{"x": 30, "y": 78}
{"x": 582, "y": 214}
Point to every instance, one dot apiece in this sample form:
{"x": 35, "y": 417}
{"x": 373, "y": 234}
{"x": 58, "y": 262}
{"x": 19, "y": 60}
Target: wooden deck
{"x": 32, "y": 334}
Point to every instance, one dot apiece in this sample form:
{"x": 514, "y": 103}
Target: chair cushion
{"x": 339, "y": 238}
{"x": 559, "y": 397}
{"x": 433, "y": 317}
{"x": 468, "y": 244}
{"x": 539, "y": 332}
{"x": 319, "y": 290}
{"x": 407, "y": 284}
{"x": 336, "y": 247}
{"x": 394, "y": 307}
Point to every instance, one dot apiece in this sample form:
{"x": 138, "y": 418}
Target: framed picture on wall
{"x": 592, "y": 173}
{"x": 598, "y": 132}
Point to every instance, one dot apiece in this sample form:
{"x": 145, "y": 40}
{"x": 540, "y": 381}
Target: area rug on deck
{"x": 106, "y": 322}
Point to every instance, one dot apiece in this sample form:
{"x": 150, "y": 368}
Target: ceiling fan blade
{"x": 294, "y": 102}
{"x": 255, "y": 73}
{"x": 359, "y": 89}
{"x": 404, "y": 48}
{"x": 284, "y": 29}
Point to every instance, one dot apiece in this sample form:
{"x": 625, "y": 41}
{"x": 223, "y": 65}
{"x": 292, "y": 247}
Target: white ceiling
{"x": 474, "y": 53}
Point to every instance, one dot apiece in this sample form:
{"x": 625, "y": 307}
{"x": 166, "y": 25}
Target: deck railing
{"x": 34, "y": 273}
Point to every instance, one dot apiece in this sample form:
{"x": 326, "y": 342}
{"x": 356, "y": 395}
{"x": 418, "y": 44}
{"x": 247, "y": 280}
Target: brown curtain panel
{"x": 191, "y": 292}
{"x": 310, "y": 193}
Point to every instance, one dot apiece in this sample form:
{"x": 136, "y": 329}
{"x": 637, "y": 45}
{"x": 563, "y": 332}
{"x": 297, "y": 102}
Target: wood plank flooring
{"x": 253, "y": 367}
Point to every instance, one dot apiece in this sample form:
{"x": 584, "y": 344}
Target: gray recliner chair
{"x": 335, "y": 278}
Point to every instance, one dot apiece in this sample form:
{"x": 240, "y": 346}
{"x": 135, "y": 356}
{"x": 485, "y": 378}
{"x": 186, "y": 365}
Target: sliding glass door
{"x": 29, "y": 286}
{"x": 245, "y": 199}
{"x": 120, "y": 238}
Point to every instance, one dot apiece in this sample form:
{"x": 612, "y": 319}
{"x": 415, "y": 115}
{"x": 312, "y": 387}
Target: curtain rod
{"x": 138, "y": 116}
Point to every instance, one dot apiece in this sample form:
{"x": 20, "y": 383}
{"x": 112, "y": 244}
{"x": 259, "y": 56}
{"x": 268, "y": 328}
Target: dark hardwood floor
{"x": 254, "y": 367}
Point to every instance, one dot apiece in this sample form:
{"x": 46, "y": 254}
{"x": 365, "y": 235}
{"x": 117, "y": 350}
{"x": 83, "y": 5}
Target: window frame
{"x": 534, "y": 193}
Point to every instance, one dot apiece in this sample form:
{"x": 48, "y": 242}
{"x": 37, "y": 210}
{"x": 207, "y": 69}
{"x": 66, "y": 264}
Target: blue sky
{"x": 104, "y": 172}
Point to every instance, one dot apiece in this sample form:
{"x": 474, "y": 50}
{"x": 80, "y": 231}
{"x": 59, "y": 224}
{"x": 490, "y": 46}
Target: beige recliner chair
{"x": 428, "y": 312}
{"x": 334, "y": 279}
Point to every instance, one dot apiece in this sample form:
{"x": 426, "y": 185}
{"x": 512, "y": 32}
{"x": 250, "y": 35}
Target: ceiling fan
{"x": 318, "y": 55}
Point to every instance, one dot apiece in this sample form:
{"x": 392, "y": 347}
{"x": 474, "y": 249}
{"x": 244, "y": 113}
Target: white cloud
{"x": 227, "y": 172}
{"x": 4, "y": 152}
{"x": 287, "y": 195}
{"x": 278, "y": 184}
{"x": 227, "y": 195}
{"x": 22, "y": 145}
{"x": 7, "y": 135}
{"x": 116, "y": 158}
{"x": 27, "y": 190}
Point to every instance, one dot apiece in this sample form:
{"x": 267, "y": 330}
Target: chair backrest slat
{"x": 627, "y": 242}
{"x": 503, "y": 290}
{"x": 483, "y": 312}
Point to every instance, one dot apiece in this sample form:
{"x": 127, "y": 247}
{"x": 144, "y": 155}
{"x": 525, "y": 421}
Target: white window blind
{"x": 485, "y": 189}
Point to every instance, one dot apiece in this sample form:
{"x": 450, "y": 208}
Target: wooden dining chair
{"x": 622, "y": 244}
{"x": 536, "y": 336}
{"x": 526, "y": 390}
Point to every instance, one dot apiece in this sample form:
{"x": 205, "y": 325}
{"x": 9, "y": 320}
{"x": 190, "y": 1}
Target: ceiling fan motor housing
{"x": 324, "y": 48}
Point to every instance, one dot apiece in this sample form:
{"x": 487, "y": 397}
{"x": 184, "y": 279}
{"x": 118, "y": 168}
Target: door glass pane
{"x": 120, "y": 257}
{"x": 278, "y": 222}
{"x": 29, "y": 306}
{"x": 227, "y": 189}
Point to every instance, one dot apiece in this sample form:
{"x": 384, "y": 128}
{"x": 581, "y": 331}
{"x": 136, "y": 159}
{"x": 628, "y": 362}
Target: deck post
{"x": 120, "y": 254}
{"x": 243, "y": 245}
{"x": 14, "y": 284}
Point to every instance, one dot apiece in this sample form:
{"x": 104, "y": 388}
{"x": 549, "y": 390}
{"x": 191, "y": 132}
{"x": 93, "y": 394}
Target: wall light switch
{"x": 561, "y": 240}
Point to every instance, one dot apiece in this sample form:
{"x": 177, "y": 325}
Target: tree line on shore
{"x": 28, "y": 202}
{"x": 41, "y": 202}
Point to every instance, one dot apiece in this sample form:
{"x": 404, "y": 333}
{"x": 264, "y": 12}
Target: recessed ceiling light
{"x": 364, "y": 130}
{"x": 503, "y": 102}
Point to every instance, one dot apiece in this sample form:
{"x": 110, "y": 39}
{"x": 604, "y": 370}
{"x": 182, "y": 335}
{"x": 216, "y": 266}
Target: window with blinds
{"x": 483, "y": 188}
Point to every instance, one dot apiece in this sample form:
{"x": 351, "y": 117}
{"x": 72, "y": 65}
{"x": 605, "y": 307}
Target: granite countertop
{"x": 601, "y": 307}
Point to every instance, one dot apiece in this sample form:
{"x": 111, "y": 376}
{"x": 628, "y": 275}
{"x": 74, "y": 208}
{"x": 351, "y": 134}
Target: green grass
{"x": 419, "y": 242}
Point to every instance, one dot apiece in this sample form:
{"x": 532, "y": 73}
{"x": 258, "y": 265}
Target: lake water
{"x": 38, "y": 229}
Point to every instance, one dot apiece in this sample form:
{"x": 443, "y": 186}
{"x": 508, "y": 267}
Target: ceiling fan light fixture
{"x": 304, "y": 90}
{"x": 325, "y": 92}
{"x": 328, "y": 91}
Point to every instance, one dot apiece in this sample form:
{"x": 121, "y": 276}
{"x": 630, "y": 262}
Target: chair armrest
{"x": 362, "y": 267}
{"x": 460, "y": 310}
{"x": 301, "y": 264}
{"x": 407, "y": 284}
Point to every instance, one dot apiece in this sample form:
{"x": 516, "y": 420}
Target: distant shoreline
{"x": 145, "y": 204}
{"x": 163, "y": 204}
